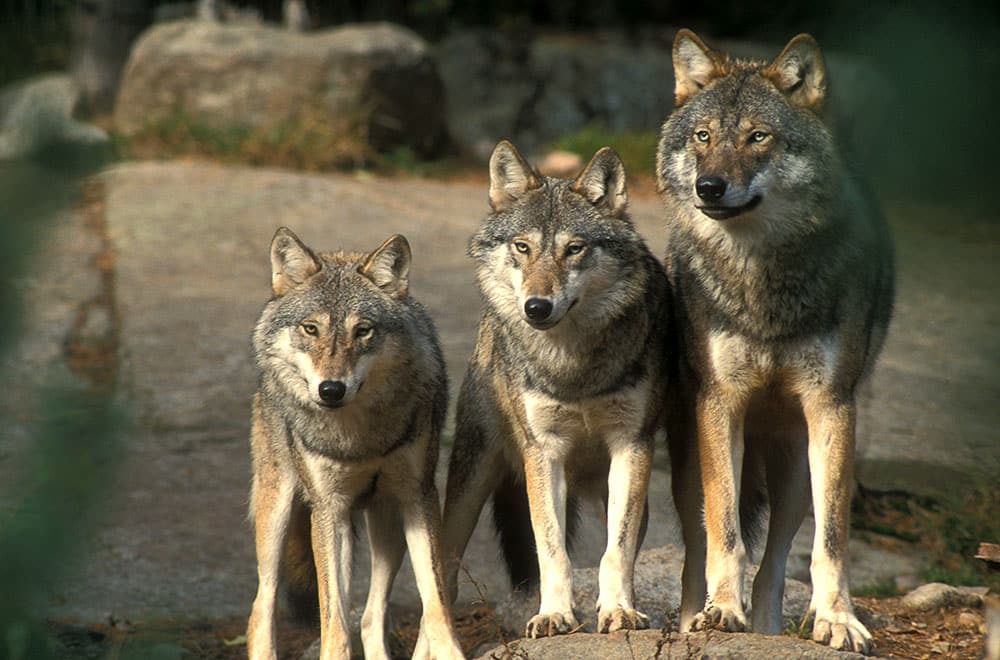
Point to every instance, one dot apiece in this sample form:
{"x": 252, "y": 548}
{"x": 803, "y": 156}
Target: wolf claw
{"x": 549, "y": 625}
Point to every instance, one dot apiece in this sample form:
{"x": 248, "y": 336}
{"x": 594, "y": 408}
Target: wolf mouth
{"x": 726, "y": 212}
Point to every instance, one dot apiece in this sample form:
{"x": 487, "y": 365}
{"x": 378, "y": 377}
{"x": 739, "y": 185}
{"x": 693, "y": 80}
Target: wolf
{"x": 347, "y": 416}
{"x": 562, "y": 395}
{"x": 781, "y": 269}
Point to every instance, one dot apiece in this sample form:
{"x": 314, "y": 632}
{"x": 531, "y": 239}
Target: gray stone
{"x": 532, "y": 90}
{"x": 659, "y": 644}
{"x": 377, "y": 82}
{"x": 936, "y": 595}
{"x": 657, "y": 593}
{"x": 38, "y": 114}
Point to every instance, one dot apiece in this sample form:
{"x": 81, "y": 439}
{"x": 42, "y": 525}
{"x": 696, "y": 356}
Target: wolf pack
{"x": 744, "y": 347}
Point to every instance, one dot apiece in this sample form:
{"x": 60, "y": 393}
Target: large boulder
{"x": 37, "y": 114}
{"x": 377, "y": 82}
{"x": 533, "y": 89}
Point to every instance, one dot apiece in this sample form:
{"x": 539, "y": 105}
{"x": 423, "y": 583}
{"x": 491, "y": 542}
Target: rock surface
{"x": 191, "y": 273}
{"x": 38, "y": 114}
{"x": 657, "y": 593}
{"x": 936, "y": 595}
{"x": 377, "y": 81}
{"x": 656, "y": 644}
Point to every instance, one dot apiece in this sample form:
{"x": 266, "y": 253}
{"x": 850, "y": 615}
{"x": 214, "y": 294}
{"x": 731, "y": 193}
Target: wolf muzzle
{"x": 711, "y": 188}
{"x": 538, "y": 310}
{"x": 541, "y": 313}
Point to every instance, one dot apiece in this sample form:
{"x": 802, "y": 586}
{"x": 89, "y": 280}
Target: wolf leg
{"x": 628, "y": 483}
{"x": 271, "y": 500}
{"x": 720, "y": 448}
{"x": 331, "y": 539}
{"x": 546, "y": 483}
{"x": 787, "y": 485}
{"x": 422, "y": 523}
{"x": 475, "y": 468}
{"x": 831, "y": 462}
{"x": 388, "y": 545}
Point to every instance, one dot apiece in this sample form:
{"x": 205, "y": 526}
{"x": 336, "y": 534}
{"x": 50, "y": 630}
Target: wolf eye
{"x": 574, "y": 248}
{"x": 363, "y": 331}
{"x": 522, "y": 247}
{"x": 310, "y": 329}
{"x": 701, "y": 136}
{"x": 759, "y": 136}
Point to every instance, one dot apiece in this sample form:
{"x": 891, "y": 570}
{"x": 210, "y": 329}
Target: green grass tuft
{"x": 636, "y": 148}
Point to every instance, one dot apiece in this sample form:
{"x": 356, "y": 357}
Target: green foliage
{"x": 636, "y": 148}
{"x": 884, "y": 589}
{"x": 71, "y": 451}
{"x": 34, "y": 44}
{"x": 959, "y": 533}
{"x": 951, "y": 534}
{"x": 312, "y": 141}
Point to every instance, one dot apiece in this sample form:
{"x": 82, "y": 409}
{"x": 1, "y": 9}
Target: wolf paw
{"x": 621, "y": 618}
{"x": 842, "y": 631}
{"x": 719, "y": 618}
{"x": 548, "y": 625}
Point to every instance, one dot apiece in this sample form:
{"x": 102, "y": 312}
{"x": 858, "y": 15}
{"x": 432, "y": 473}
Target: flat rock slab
{"x": 192, "y": 272}
{"x": 657, "y": 644}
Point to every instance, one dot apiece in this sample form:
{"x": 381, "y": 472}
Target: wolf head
{"x": 552, "y": 244}
{"x": 335, "y": 322}
{"x": 746, "y": 140}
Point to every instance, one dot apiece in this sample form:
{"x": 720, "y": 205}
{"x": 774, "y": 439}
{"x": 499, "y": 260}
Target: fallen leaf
{"x": 239, "y": 640}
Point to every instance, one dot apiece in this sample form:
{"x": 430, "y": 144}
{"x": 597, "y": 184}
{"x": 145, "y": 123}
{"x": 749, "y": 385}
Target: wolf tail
{"x": 753, "y": 496}
{"x": 753, "y": 513}
{"x": 299, "y": 567}
{"x": 512, "y": 521}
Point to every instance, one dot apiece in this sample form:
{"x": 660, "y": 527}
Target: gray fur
{"x": 346, "y": 318}
{"x": 782, "y": 304}
{"x": 606, "y": 348}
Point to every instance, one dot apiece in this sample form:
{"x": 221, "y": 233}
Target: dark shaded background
{"x": 940, "y": 60}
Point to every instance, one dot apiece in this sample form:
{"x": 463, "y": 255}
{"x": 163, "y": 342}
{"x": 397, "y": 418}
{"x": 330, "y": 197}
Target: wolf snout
{"x": 538, "y": 309}
{"x": 332, "y": 392}
{"x": 710, "y": 187}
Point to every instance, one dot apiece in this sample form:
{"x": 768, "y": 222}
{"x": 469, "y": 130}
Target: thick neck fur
{"x": 770, "y": 278}
{"x": 594, "y": 349}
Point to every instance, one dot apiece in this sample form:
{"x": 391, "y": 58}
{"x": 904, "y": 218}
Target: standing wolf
{"x": 563, "y": 393}
{"x": 347, "y": 415}
{"x": 782, "y": 274}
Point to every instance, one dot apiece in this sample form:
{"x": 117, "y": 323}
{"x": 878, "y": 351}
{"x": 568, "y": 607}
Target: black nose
{"x": 710, "y": 188}
{"x": 537, "y": 309}
{"x": 332, "y": 391}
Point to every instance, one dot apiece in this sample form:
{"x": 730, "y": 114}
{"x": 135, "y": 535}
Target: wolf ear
{"x": 602, "y": 182}
{"x": 292, "y": 263}
{"x": 510, "y": 176}
{"x": 389, "y": 266}
{"x": 800, "y": 73}
{"x": 695, "y": 65}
